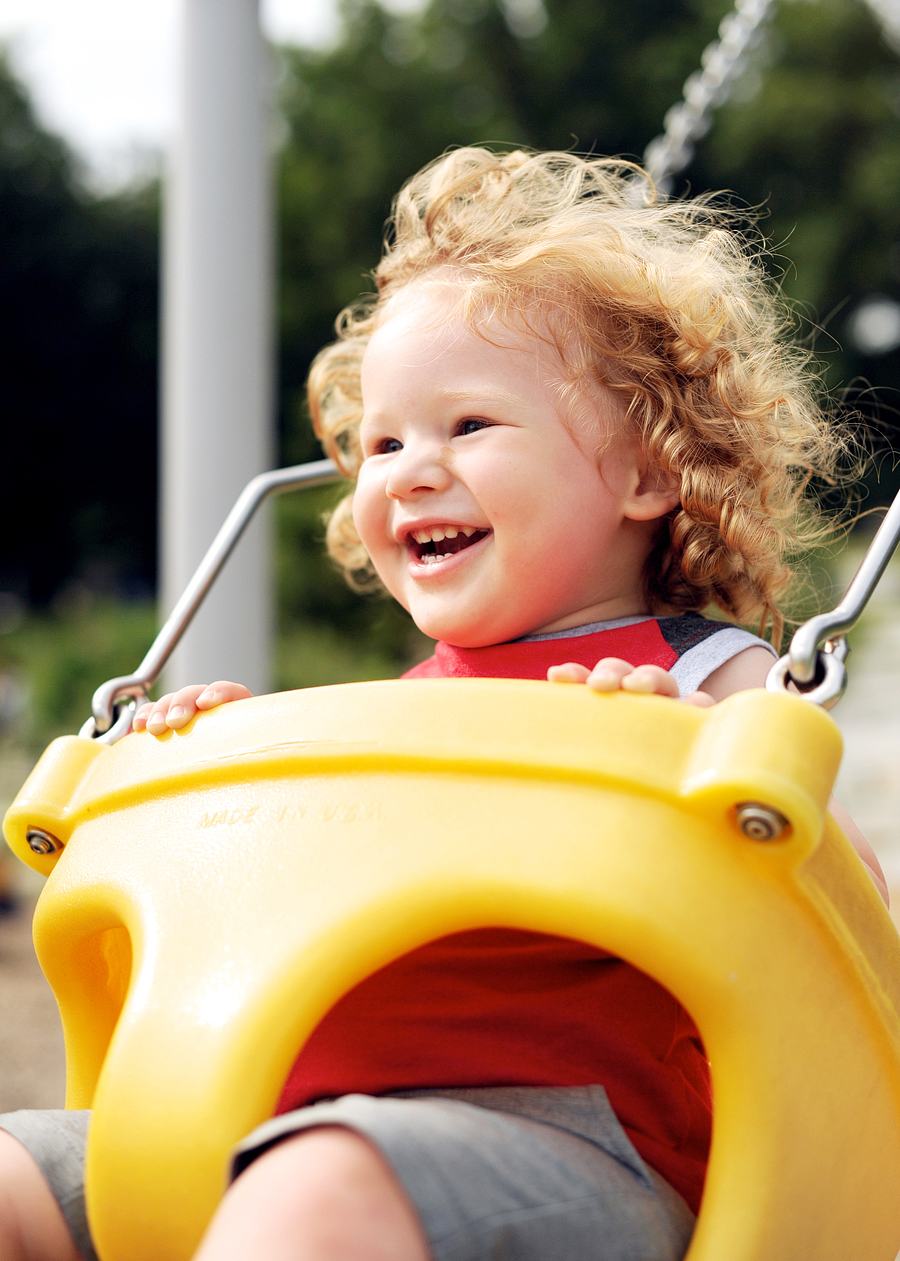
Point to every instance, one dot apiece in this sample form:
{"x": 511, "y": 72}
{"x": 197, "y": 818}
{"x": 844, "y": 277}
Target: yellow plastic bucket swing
{"x": 212, "y": 893}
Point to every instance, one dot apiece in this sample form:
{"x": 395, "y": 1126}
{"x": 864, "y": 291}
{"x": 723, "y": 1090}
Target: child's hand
{"x": 176, "y": 709}
{"x": 613, "y": 675}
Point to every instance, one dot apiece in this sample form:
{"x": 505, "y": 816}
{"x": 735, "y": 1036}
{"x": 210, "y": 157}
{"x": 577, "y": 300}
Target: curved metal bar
{"x": 814, "y": 663}
{"x": 825, "y": 693}
{"x": 124, "y": 712}
{"x": 108, "y": 697}
{"x": 809, "y": 638}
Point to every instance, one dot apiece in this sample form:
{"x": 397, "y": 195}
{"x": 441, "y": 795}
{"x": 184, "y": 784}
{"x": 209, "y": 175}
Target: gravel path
{"x": 32, "y": 1063}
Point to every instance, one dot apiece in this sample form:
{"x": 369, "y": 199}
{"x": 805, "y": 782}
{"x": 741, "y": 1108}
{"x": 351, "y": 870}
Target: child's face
{"x": 484, "y": 514}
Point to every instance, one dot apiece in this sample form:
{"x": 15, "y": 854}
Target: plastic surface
{"x": 220, "y": 888}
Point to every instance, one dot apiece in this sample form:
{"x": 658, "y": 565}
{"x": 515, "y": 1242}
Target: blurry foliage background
{"x": 811, "y": 137}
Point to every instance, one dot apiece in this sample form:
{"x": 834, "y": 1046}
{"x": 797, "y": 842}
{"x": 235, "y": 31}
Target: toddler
{"x": 573, "y": 426}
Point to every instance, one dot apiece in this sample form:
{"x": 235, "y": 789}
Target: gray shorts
{"x": 532, "y": 1174}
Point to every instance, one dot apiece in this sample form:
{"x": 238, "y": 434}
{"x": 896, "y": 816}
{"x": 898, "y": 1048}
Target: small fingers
{"x": 172, "y": 711}
{"x": 652, "y": 680}
{"x": 569, "y": 672}
{"x": 702, "y": 700}
{"x": 612, "y": 674}
{"x": 608, "y": 674}
{"x": 176, "y": 709}
{"x": 220, "y": 693}
{"x": 141, "y": 714}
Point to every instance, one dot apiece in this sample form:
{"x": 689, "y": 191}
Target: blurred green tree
{"x": 397, "y": 90}
{"x": 814, "y": 139}
{"x": 811, "y": 138}
{"x": 78, "y": 311}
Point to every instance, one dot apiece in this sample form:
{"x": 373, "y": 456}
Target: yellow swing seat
{"x": 218, "y": 890}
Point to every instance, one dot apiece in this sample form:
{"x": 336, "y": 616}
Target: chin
{"x": 460, "y": 640}
{"x": 464, "y": 634}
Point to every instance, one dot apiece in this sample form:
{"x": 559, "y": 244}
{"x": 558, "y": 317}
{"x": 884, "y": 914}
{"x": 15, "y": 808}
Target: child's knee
{"x": 32, "y": 1226}
{"x": 330, "y": 1188}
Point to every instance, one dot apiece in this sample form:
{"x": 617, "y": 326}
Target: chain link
{"x": 723, "y": 61}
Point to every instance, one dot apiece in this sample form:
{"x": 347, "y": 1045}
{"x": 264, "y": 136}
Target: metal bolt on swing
{"x": 41, "y": 842}
{"x": 760, "y": 822}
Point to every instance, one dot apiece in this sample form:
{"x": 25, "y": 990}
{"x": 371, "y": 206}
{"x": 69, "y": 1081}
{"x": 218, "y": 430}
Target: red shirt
{"x": 502, "y": 1007}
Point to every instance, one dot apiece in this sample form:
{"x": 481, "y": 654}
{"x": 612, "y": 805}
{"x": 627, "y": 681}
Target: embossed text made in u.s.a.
{"x": 333, "y": 812}
{"x": 218, "y": 818}
{"x": 351, "y": 812}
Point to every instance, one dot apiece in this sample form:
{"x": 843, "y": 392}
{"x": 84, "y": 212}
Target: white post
{"x": 217, "y": 338}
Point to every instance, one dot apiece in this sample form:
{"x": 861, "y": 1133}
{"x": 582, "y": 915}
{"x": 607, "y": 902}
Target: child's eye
{"x": 387, "y": 446}
{"x": 471, "y": 425}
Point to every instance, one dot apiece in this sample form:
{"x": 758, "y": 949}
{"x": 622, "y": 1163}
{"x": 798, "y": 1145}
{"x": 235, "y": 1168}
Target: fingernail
{"x": 177, "y": 711}
{"x": 638, "y": 683}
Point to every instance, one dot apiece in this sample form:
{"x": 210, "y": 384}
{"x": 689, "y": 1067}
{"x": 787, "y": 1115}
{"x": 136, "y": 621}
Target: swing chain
{"x": 814, "y": 665}
{"x": 723, "y": 61}
{"x": 689, "y": 120}
{"x": 815, "y": 660}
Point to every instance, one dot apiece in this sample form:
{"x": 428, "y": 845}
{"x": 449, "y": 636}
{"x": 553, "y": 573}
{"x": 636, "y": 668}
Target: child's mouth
{"x": 440, "y": 542}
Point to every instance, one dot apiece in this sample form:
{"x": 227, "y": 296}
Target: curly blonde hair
{"x": 662, "y": 302}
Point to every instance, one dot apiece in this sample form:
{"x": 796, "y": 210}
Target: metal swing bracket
{"x": 815, "y": 661}
{"x": 115, "y": 701}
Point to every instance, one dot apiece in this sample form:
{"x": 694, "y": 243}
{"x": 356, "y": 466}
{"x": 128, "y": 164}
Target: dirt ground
{"x": 32, "y": 1063}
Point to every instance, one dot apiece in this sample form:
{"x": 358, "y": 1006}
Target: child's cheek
{"x": 369, "y": 515}
{"x": 372, "y": 518}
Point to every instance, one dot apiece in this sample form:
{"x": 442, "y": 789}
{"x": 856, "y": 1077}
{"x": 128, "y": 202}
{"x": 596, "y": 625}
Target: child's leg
{"x": 531, "y": 1174}
{"x": 32, "y": 1226}
{"x": 325, "y": 1195}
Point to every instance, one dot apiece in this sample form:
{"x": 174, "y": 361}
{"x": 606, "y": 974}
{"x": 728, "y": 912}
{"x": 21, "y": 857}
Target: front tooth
{"x": 451, "y": 532}
{"x": 437, "y": 535}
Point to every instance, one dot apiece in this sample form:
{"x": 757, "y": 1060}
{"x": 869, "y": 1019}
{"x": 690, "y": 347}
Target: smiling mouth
{"x": 431, "y": 546}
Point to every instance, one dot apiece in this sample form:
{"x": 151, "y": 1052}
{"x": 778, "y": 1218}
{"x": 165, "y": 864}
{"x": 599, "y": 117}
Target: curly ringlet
{"x": 663, "y": 302}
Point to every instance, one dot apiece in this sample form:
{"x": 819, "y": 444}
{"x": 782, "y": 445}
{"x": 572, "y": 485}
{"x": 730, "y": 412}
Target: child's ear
{"x": 653, "y": 492}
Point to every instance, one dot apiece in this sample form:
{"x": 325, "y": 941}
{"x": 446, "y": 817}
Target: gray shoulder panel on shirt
{"x": 691, "y": 670}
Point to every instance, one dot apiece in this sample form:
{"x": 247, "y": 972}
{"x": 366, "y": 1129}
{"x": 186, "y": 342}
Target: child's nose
{"x": 417, "y": 468}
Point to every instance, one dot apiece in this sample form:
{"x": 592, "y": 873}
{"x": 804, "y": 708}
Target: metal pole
{"x": 217, "y": 339}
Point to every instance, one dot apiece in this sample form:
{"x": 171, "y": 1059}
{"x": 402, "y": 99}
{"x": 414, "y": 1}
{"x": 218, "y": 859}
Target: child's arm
{"x": 746, "y": 670}
{"x": 176, "y": 709}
